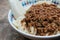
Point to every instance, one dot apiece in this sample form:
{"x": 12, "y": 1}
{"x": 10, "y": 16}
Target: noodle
{"x": 40, "y": 19}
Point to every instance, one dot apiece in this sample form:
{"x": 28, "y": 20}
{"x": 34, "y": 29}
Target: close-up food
{"x": 29, "y": 19}
{"x": 41, "y": 19}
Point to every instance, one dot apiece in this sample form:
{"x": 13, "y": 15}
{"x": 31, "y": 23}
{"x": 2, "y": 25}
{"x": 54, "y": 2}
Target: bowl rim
{"x": 26, "y": 34}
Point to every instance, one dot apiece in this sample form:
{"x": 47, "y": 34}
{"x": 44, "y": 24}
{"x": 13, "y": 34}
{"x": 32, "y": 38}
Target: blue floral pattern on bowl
{"x": 55, "y": 1}
{"x": 24, "y": 3}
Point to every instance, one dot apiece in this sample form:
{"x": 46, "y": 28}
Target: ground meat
{"x": 44, "y": 17}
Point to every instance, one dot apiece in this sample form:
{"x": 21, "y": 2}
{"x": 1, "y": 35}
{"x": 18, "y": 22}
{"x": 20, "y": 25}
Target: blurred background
{"x": 6, "y": 31}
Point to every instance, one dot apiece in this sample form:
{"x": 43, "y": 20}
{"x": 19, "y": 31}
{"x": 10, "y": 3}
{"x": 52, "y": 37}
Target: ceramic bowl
{"x": 11, "y": 19}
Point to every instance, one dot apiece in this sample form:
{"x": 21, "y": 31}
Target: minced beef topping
{"x": 44, "y": 17}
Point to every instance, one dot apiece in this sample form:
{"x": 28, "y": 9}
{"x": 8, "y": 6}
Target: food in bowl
{"x": 40, "y": 19}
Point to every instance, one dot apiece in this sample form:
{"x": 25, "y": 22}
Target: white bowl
{"x": 11, "y": 18}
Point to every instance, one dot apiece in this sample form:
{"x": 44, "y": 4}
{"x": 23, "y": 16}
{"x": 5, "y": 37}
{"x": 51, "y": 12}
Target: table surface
{"x": 6, "y": 31}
